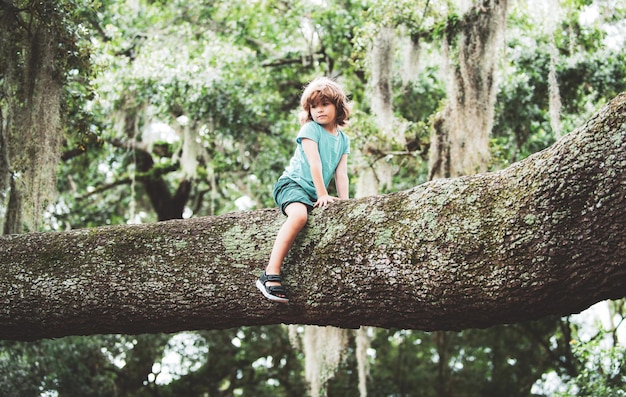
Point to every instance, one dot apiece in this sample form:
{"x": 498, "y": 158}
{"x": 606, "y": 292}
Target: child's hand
{"x": 324, "y": 200}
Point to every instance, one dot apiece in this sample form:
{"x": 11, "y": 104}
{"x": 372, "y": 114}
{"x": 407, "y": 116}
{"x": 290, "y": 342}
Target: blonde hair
{"x": 320, "y": 90}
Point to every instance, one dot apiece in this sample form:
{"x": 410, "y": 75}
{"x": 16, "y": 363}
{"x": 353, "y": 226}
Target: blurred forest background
{"x": 135, "y": 111}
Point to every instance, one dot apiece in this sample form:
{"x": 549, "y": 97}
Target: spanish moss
{"x": 551, "y": 18}
{"x": 363, "y": 343}
{"x": 381, "y": 62}
{"x": 460, "y": 141}
{"x": 323, "y": 349}
{"x": 32, "y": 131}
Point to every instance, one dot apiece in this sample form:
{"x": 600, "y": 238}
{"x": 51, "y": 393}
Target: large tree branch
{"x": 543, "y": 237}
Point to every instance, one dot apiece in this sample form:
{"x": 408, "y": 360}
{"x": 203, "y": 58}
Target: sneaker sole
{"x": 269, "y": 296}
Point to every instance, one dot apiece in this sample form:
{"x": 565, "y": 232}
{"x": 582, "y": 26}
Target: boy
{"x": 321, "y": 153}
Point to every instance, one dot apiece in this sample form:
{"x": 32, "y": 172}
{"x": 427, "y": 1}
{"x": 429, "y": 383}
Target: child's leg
{"x": 297, "y": 214}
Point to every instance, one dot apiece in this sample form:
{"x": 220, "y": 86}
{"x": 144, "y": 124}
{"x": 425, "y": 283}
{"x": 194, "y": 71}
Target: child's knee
{"x": 300, "y": 217}
{"x": 298, "y": 214}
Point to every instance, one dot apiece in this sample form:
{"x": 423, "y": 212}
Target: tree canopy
{"x": 157, "y": 110}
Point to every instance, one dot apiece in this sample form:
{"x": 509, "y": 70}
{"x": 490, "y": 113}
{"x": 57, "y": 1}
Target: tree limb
{"x": 542, "y": 237}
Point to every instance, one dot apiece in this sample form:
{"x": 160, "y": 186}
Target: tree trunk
{"x": 542, "y": 237}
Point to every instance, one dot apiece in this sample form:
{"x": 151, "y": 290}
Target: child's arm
{"x": 341, "y": 178}
{"x": 315, "y": 163}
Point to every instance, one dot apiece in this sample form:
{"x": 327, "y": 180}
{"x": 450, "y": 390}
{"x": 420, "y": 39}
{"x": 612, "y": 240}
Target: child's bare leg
{"x": 297, "y": 214}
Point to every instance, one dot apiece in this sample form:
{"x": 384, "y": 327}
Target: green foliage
{"x": 602, "y": 372}
{"x": 232, "y": 73}
{"x": 73, "y": 366}
{"x": 589, "y": 73}
{"x": 250, "y": 361}
{"x": 502, "y": 360}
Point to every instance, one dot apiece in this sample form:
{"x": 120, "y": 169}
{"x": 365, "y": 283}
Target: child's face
{"x": 324, "y": 112}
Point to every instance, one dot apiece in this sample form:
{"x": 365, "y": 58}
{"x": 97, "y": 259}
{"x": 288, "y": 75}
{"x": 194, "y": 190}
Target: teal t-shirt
{"x": 330, "y": 147}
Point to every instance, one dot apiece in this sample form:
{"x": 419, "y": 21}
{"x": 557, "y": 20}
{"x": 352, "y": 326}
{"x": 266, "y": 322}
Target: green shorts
{"x": 286, "y": 191}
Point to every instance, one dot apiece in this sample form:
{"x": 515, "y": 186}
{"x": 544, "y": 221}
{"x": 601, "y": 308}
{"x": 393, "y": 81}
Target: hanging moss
{"x": 36, "y": 47}
{"x": 363, "y": 343}
{"x": 381, "y": 61}
{"x": 323, "y": 349}
{"x": 550, "y": 25}
{"x": 459, "y": 145}
{"x": 36, "y": 146}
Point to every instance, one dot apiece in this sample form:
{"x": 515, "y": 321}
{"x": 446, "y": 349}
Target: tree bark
{"x": 542, "y": 237}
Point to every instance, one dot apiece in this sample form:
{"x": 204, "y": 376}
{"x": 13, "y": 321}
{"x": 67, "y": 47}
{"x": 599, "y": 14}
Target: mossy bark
{"x": 542, "y": 237}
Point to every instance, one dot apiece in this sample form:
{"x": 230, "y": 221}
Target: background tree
{"x": 246, "y": 66}
{"x": 40, "y": 55}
